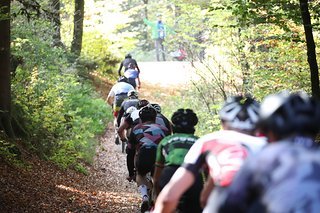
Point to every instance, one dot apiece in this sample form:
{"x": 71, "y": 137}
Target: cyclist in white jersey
{"x": 223, "y": 152}
{"x": 284, "y": 176}
{"x": 118, "y": 94}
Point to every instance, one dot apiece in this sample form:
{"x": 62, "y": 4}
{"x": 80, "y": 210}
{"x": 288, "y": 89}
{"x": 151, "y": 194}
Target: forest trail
{"x": 43, "y": 187}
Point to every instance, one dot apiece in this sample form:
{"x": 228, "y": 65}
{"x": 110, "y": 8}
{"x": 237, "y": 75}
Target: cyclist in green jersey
{"x": 170, "y": 155}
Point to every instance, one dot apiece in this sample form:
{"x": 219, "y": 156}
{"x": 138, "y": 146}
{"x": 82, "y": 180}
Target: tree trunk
{"x": 5, "y": 81}
{"x": 78, "y": 27}
{"x": 311, "y": 48}
{"x": 55, "y": 4}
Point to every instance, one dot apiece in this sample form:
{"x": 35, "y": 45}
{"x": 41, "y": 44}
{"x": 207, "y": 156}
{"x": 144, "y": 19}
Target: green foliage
{"x": 207, "y": 113}
{"x": 57, "y": 108}
{"x": 99, "y": 50}
{"x": 9, "y": 152}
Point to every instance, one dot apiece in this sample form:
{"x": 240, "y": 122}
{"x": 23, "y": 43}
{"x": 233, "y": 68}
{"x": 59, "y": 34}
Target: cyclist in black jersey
{"x": 126, "y": 62}
{"x": 170, "y": 155}
{"x": 161, "y": 119}
{"x": 132, "y": 100}
{"x": 284, "y": 176}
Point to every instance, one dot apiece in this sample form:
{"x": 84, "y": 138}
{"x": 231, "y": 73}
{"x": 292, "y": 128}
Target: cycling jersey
{"x": 163, "y": 121}
{"x": 147, "y": 135}
{"x": 145, "y": 138}
{"x": 283, "y": 177}
{"x": 124, "y": 106}
{"x": 131, "y": 73}
{"x": 120, "y": 88}
{"x": 125, "y": 63}
{"x": 224, "y": 152}
{"x": 119, "y": 93}
{"x": 173, "y": 148}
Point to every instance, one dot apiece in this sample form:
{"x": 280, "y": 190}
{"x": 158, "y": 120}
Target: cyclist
{"x": 126, "y": 62}
{"x": 132, "y": 100}
{"x": 143, "y": 142}
{"x": 133, "y": 76}
{"x": 170, "y": 154}
{"x": 283, "y": 177}
{"x": 161, "y": 119}
{"x": 118, "y": 94}
{"x": 131, "y": 119}
{"x": 230, "y": 147}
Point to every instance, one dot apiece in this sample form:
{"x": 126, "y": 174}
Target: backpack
{"x": 161, "y": 31}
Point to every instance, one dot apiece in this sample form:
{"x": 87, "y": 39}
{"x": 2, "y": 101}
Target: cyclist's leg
{"x": 144, "y": 163}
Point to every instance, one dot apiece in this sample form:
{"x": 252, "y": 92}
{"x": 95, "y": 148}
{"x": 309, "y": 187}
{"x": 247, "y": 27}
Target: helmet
{"x": 123, "y": 79}
{"x": 142, "y": 103}
{"x": 128, "y": 55}
{"x": 147, "y": 113}
{"x": 131, "y": 109}
{"x": 184, "y": 118}
{"x": 286, "y": 114}
{"x": 157, "y": 107}
{"x": 132, "y": 93}
{"x": 240, "y": 112}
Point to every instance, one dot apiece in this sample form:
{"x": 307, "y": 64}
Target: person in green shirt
{"x": 158, "y": 32}
{"x": 170, "y": 155}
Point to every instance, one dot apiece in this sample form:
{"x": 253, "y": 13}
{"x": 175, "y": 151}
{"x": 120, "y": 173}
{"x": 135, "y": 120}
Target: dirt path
{"x": 44, "y": 187}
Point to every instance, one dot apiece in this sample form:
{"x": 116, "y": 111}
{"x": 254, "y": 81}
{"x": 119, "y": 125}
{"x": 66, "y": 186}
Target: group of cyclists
{"x": 265, "y": 158}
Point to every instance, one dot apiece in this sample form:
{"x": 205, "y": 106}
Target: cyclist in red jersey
{"x": 229, "y": 148}
{"x": 284, "y": 176}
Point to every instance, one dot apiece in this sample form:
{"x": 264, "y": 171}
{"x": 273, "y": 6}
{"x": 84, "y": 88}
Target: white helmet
{"x": 240, "y": 112}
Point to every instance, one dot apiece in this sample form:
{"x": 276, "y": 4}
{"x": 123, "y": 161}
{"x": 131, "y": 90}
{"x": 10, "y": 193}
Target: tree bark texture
{"x": 55, "y": 4}
{"x": 78, "y": 27}
{"x": 5, "y": 80}
{"x": 5, "y": 91}
{"x": 311, "y": 48}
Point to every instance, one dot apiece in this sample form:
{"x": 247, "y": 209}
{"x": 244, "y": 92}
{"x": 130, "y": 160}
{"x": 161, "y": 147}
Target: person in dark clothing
{"x": 126, "y": 62}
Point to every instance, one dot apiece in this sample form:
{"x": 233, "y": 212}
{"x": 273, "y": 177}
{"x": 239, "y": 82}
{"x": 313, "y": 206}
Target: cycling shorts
{"x": 189, "y": 202}
{"x": 145, "y": 159}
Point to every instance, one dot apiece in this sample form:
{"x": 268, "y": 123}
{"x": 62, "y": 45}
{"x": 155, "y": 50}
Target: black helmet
{"x": 147, "y": 113}
{"x": 157, "y": 107}
{"x": 128, "y": 55}
{"x": 240, "y": 112}
{"x": 132, "y": 93}
{"x": 287, "y": 114}
{"x": 123, "y": 79}
{"x": 184, "y": 121}
{"x": 142, "y": 103}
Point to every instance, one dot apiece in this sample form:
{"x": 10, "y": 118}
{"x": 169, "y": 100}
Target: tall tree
{"x": 5, "y": 81}
{"x": 55, "y": 5}
{"x": 311, "y": 48}
{"x": 78, "y": 27}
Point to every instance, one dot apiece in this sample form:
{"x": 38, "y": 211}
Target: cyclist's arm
{"x": 169, "y": 197}
{"x": 120, "y": 68}
{"x": 121, "y": 130}
{"x": 110, "y": 97}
